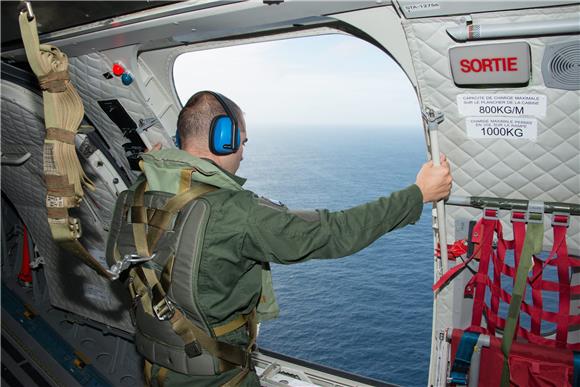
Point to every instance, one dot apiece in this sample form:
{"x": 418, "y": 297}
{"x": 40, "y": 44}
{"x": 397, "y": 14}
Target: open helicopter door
{"x": 508, "y": 86}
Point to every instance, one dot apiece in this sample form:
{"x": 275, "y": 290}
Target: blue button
{"x": 127, "y": 79}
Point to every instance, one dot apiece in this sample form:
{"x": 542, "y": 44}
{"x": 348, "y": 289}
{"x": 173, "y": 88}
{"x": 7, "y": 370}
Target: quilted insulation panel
{"x": 547, "y": 169}
{"x": 88, "y": 74}
{"x": 73, "y": 286}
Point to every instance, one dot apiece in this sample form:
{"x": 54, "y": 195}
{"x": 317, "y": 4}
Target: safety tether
{"x": 63, "y": 113}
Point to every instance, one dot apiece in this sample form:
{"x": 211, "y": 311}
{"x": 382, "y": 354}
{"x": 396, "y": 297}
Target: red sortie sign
{"x": 477, "y": 65}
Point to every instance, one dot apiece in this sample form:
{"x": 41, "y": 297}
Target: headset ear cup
{"x": 221, "y": 136}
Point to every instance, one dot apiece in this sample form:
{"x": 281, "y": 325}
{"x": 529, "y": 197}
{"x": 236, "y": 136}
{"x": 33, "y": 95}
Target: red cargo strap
{"x": 490, "y": 224}
{"x": 483, "y": 235}
{"x": 482, "y": 280}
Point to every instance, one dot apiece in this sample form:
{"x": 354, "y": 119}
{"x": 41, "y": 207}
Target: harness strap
{"x": 145, "y": 240}
{"x": 231, "y": 326}
{"x": 532, "y": 245}
{"x": 146, "y": 234}
{"x": 147, "y": 371}
{"x": 161, "y": 376}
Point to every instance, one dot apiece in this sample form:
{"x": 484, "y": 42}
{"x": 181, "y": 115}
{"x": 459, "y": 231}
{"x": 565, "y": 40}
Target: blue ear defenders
{"x": 224, "y": 133}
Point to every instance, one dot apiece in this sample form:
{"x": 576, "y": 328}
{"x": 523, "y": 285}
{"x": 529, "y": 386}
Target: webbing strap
{"x": 145, "y": 241}
{"x": 532, "y": 245}
{"x": 489, "y": 226}
{"x": 564, "y": 280}
{"x": 62, "y": 135}
{"x": 64, "y": 111}
{"x": 147, "y": 371}
{"x": 236, "y": 323}
{"x": 462, "y": 361}
{"x": 161, "y": 375}
{"x": 190, "y": 333}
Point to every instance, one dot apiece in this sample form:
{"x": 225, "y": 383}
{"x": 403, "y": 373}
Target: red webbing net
{"x": 483, "y": 235}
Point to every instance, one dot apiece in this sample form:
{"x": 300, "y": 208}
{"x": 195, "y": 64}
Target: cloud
{"x": 332, "y": 80}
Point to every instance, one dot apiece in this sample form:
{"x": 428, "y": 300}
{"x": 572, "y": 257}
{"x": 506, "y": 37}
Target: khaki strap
{"x": 236, "y": 323}
{"x": 67, "y": 191}
{"x": 147, "y": 371}
{"x": 55, "y": 181}
{"x": 532, "y": 245}
{"x": 185, "y": 179}
{"x": 57, "y": 212}
{"x": 166, "y": 273}
{"x": 173, "y": 206}
{"x": 140, "y": 228}
{"x": 61, "y": 201}
{"x": 58, "y": 185}
{"x": 253, "y": 332}
{"x": 161, "y": 375}
{"x": 54, "y": 82}
{"x": 77, "y": 249}
{"x": 62, "y": 135}
{"x": 139, "y": 214}
{"x": 190, "y": 333}
{"x": 161, "y": 219}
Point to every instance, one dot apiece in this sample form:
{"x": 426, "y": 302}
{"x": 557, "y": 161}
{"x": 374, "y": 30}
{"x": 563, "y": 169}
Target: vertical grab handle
{"x": 433, "y": 120}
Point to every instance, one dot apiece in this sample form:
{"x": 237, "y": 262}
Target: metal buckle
{"x": 557, "y": 223}
{"x": 521, "y": 220}
{"x": 164, "y": 310}
{"x": 119, "y": 267}
{"x": 535, "y": 208}
{"x": 490, "y": 217}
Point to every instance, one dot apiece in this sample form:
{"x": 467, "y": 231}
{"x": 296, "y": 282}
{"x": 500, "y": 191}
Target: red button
{"x": 118, "y": 70}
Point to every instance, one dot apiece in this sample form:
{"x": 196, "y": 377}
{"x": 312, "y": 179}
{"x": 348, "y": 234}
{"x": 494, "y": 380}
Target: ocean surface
{"x": 369, "y": 313}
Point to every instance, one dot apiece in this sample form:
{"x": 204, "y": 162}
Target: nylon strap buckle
{"x": 125, "y": 263}
{"x": 535, "y": 213}
{"x": 561, "y": 219}
{"x": 162, "y": 307}
{"x": 519, "y": 216}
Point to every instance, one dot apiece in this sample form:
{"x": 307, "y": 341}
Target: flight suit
{"x": 245, "y": 231}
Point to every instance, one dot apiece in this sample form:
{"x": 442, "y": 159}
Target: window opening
{"x": 333, "y": 122}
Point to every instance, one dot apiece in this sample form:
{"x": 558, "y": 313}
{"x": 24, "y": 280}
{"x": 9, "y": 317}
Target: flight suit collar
{"x": 238, "y": 179}
{"x": 163, "y": 170}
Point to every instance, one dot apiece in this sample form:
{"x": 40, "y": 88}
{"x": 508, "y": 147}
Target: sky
{"x": 333, "y": 80}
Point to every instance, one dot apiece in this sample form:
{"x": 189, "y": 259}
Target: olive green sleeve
{"x": 277, "y": 235}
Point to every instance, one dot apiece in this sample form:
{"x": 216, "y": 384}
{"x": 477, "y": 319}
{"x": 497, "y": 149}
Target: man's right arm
{"x": 277, "y": 235}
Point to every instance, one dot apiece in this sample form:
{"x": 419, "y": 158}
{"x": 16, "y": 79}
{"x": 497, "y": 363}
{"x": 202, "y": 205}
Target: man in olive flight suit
{"x": 245, "y": 231}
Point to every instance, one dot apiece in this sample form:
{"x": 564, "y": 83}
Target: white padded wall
{"x": 547, "y": 169}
